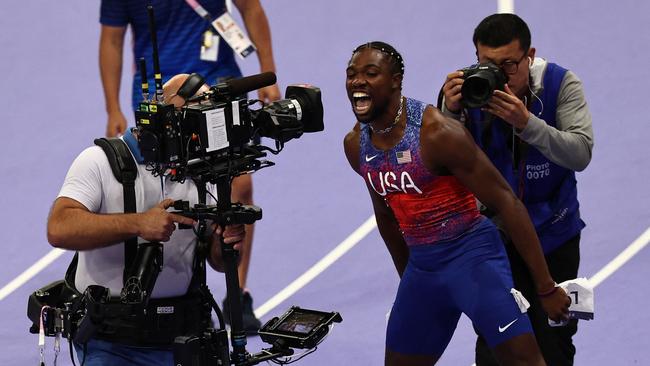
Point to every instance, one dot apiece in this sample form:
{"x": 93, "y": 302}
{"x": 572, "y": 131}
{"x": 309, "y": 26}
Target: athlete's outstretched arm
{"x": 386, "y": 222}
{"x": 446, "y": 143}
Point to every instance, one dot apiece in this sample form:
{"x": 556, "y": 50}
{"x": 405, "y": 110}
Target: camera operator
{"x": 88, "y": 217}
{"x": 188, "y": 44}
{"x": 538, "y": 133}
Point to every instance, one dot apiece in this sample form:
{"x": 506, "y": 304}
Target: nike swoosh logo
{"x": 503, "y": 329}
{"x": 368, "y": 158}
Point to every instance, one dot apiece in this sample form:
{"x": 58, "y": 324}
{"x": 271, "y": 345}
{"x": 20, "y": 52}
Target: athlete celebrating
{"x": 422, "y": 170}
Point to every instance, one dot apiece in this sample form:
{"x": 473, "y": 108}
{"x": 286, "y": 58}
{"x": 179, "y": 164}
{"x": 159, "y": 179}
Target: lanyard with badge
{"x": 227, "y": 28}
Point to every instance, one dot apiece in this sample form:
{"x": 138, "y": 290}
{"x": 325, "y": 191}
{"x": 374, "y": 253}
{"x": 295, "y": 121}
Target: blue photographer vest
{"x": 547, "y": 190}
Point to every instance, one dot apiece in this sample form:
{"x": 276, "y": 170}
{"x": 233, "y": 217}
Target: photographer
{"x": 537, "y": 131}
{"x": 422, "y": 171}
{"x": 88, "y": 216}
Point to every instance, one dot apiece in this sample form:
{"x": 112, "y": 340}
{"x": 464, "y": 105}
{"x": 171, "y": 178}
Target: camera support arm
{"x": 223, "y": 214}
{"x": 231, "y": 260}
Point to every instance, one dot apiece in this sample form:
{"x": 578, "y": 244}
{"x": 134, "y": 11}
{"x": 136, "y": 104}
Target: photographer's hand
{"x": 156, "y": 224}
{"x": 451, "y": 89}
{"x": 506, "y": 105}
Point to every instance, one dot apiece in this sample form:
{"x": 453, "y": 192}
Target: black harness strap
{"x": 125, "y": 171}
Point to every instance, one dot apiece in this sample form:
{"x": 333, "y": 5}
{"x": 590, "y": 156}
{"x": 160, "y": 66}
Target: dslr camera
{"x": 481, "y": 80}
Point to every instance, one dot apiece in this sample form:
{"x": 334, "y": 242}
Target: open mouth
{"x": 361, "y": 102}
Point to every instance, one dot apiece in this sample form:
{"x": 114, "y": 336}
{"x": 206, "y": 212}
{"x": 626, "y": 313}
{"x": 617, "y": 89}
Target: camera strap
{"x": 125, "y": 171}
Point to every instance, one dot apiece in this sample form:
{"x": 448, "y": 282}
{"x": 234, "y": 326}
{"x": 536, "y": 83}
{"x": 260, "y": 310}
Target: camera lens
{"x": 480, "y": 82}
{"x": 477, "y": 89}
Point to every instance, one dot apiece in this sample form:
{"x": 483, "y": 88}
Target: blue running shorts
{"x": 470, "y": 275}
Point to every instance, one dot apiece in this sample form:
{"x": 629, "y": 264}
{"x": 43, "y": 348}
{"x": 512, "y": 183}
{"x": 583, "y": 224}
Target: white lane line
{"x": 506, "y": 6}
{"x": 336, "y": 253}
{"x": 30, "y": 272}
{"x": 621, "y": 259}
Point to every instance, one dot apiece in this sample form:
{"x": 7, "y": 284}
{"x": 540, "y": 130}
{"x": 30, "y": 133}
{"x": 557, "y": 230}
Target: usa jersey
{"x": 429, "y": 208}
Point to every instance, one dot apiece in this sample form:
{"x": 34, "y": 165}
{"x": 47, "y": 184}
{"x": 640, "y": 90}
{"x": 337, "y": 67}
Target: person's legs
{"x": 102, "y": 353}
{"x": 488, "y": 300}
{"x": 423, "y": 318}
{"x": 483, "y": 354}
{"x": 242, "y": 192}
{"x": 521, "y": 350}
{"x": 563, "y": 264}
{"x": 507, "y": 332}
{"x": 397, "y": 359}
{"x": 555, "y": 343}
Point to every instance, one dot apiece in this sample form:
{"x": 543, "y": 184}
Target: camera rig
{"x": 212, "y": 134}
{"x": 210, "y": 139}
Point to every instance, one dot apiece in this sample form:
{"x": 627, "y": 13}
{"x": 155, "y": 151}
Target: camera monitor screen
{"x": 299, "y": 328}
{"x": 300, "y": 322}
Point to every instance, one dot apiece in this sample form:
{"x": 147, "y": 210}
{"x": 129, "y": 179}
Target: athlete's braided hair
{"x": 397, "y": 62}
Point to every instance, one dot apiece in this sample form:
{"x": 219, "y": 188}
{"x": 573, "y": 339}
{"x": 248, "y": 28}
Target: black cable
{"x": 290, "y": 360}
{"x": 305, "y": 354}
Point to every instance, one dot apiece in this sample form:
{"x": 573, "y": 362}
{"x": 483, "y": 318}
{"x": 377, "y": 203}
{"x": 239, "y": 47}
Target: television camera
{"x": 213, "y": 133}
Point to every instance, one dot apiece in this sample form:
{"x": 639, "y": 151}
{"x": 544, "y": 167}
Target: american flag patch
{"x": 403, "y": 157}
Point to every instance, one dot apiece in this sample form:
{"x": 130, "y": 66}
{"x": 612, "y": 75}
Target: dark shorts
{"x": 101, "y": 353}
{"x": 468, "y": 275}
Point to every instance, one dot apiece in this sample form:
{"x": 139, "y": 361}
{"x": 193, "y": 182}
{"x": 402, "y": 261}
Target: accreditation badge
{"x": 233, "y": 35}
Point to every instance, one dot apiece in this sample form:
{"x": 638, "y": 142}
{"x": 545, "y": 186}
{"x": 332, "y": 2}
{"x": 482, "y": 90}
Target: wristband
{"x": 549, "y": 292}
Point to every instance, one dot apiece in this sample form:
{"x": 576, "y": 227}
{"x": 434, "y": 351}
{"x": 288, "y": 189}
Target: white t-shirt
{"x": 91, "y": 182}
